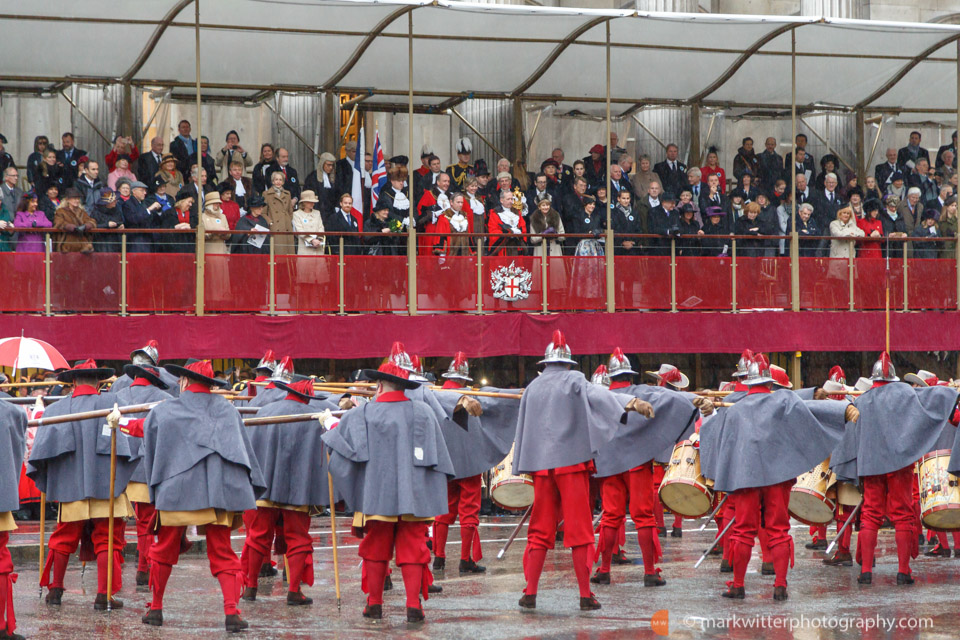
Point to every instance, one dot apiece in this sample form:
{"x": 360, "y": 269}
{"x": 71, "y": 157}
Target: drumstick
{"x": 846, "y": 524}
{"x": 716, "y": 541}
{"x": 526, "y": 514}
{"x": 714, "y": 514}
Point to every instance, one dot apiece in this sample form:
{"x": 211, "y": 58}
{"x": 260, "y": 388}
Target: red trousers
{"x": 224, "y": 564}
{"x": 145, "y": 533}
{"x": 463, "y": 499}
{"x": 560, "y": 496}
{"x": 407, "y": 540}
{"x": 819, "y": 531}
{"x": 631, "y": 488}
{"x": 261, "y": 529}
{"x": 723, "y": 519}
{"x": 762, "y": 508}
{"x": 64, "y": 542}
{"x": 8, "y": 619}
{"x": 890, "y": 493}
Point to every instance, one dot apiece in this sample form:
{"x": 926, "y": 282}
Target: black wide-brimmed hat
{"x": 302, "y": 387}
{"x": 147, "y": 372}
{"x": 85, "y": 369}
{"x": 389, "y": 372}
{"x": 199, "y": 371}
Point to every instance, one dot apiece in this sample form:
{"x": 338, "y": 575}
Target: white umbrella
{"x": 28, "y": 353}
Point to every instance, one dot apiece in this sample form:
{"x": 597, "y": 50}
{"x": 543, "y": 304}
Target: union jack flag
{"x": 379, "y": 176}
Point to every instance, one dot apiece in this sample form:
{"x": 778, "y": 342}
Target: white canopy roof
{"x": 463, "y": 50}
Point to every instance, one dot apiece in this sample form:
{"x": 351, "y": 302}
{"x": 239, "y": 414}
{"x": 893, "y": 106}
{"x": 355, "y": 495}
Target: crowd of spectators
{"x": 560, "y": 208}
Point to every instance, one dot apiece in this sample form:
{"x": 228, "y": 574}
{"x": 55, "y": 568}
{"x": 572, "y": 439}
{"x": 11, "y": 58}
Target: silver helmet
{"x": 743, "y": 364}
{"x": 400, "y": 357}
{"x": 284, "y": 370}
{"x": 459, "y": 368}
{"x": 758, "y": 371}
{"x": 883, "y": 369}
{"x": 268, "y": 362}
{"x": 600, "y": 376}
{"x": 150, "y": 354}
{"x": 558, "y": 352}
{"x": 619, "y": 364}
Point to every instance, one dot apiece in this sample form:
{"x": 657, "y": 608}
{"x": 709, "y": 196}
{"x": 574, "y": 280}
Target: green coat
{"x": 948, "y": 229}
{"x": 6, "y": 237}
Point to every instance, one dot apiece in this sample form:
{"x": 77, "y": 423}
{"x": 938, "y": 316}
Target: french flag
{"x": 357, "y": 189}
{"x": 379, "y": 176}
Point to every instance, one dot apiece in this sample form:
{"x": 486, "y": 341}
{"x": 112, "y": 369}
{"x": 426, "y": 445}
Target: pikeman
{"x": 70, "y": 462}
{"x": 390, "y": 464}
{"x": 148, "y": 354}
{"x": 755, "y": 450}
{"x": 201, "y": 471}
{"x": 263, "y": 371}
{"x": 563, "y": 422}
{"x": 146, "y": 386}
{"x": 283, "y": 372}
{"x": 13, "y": 421}
{"x": 897, "y": 425}
{"x": 293, "y": 461}
{"x": 833, "y": 389}
{"x": 626, "y": 466}
{"x": 668, "y": 377}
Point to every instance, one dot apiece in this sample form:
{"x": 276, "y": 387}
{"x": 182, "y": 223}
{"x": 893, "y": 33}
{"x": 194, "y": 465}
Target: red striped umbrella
{"x": 28, "y": 353}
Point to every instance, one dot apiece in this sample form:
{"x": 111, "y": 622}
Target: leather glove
{"x": 820, "y": 394}
{"x": 346, "y": 403}
{"x": 642, "y": 407}
{"x": 471, "y": 406}
{"x": 327, "y": 419}
{"x": 706, "y": 406}
{"x": 113, "y": 418}
{"x": 852, "y": 414}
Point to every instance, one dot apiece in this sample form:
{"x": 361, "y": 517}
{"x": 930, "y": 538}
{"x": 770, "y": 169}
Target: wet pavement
{"x": 825, "y": 602}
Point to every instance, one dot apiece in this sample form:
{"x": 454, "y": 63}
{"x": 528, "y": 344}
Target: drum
{"x": 848, "y": 494}
{"x": 939, "y": 493}
{"x": 510, "y": 491}
{"x": 809, "y": 502}
{"x": 684, "y": 490}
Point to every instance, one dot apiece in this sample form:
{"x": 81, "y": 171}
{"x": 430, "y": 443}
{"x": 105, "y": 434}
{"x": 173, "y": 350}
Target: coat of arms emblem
{"x": 511, "y": 283}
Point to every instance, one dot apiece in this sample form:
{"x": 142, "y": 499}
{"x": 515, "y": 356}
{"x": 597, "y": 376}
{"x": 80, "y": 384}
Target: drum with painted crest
{"x": 508, "y": 490}
{"x": 810, "y": 497}
{"x": 684, "y": 490}
{"x": 939, "y": 492}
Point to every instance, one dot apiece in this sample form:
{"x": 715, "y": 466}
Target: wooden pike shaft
{"x": 333, "y": 533}
{"x": 110, "y": 521}
{"x": 303, "y": 417}
{"x": 86, "y": 415}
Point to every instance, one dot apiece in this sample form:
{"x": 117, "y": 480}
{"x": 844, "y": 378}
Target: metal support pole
{"x": 272, "y": 274}
{"x": 851, "y": 272}
{"x": 47, "y": 259}
{"x": 479, "y": 275}
{"x": 733, "y": 275}
{"x": 861, "y": 147}
{"x": 201, "y": 259}
{"x": 795, "y": 369}
{"x": 342, "y": 297}
{"x": 293, "y": 130}
{"x": 412, "y": 227}
{"x": 694, "y": 158}
{"x": 86, "y": 117}
{"x": 519, "y": 148}
{"x": 873, "y": 149}
{"x": 346, "y": 129}
{"x": 544, "y": 274}
{"x": 794, "y": 237}
{"x": 673, "y": 274}
{"x": 123, "y": 274}
{"x": 830, "y": 147}
{"x": 608, "y": 250}
{"x": 127, "y": 121}
{"x": 153, "y": 116}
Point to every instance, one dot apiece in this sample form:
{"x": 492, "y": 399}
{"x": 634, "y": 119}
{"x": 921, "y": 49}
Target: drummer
{"x": 818, "y": 532}
{"x": 669, "y": 377}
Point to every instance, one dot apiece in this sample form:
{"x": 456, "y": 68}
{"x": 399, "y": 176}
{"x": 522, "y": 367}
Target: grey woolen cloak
{"x": 477, "y": 444}
{"x": 140, "y": 395}
{"x": 13, "y": 429}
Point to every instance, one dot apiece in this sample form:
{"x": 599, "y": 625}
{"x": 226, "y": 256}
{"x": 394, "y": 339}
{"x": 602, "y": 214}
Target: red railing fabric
{"x": 161, "y": 282}
{"x": 869, "y": 284}
{"x": 703, "y": 284}
{"x": 763, "y": 283}
{"x": 931, "y": 284}
{"x": 576, "y": 283}
{"x": 24, "y": 275}
{"x": 824, "y": 283}
{"x": 307, "y": 284}
{"x": 238, "y": 283}
{"x": 375, "y": 283}
{"x": 447, "y": 283}
{"x": 641, "y": 283}
{"x": 85, "y": 282}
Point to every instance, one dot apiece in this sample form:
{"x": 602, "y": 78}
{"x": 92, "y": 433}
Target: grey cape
{"x": 139, "y": 395}
{"x": 292, "y": 457}
{"x": 897, "y": 426}
{"x": 13, "y": 428}
{"x": 197, "y": 455}
{"x": 71, "y": 461}
{"x": 478, "y": 444}
{"x": 766, "y": 439}
{"x": 266, "y": 396}
{"x": 642, "y": 439}
{"x": 666, "y": 454}
{"x": 564, "y": 420}
{"x": 389, "y": 459}
{"x": 124, "y": 382}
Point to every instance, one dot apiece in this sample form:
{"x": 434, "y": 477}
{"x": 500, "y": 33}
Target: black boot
{"x": 415, "y": 614}
{"x": 234, "y": 623}
{"x": 434, "y": 588}
{"x": 249, "y": 594}
{"x": 766, "y": 569}
{"x": 737, "y": 593}
{"x": 653, "y": 580}
{"x": 387, "y": 583}
{"x": 589, "y": 604}
{"x": 528, "y": 601}
{"x": 268, "y": 570}
{"x": 6, "y": 635}
{"x": 297, "y": 599}
{"x": 100, "y": 603}
{"x": 373, "y": 611}
{"x": 716, "y": 551}
{"x": 725, "y": 566}
{"x": 676, "y": 532}
{"x": 938, "y": 552}
{"x": 469, "y": 566}
{"x": 600, "y": 577}
{"x": 153, "y": 617}
{"x": 816, "y": 545}
{"x": 621, "y": 558}
{"x": 439, "y": 563}
{"x": 865, "y": 578}
{"x": 143, "y": 578}
{"x": 839, "y": 559}
{"x": 662, "y": 532}
{"x": 779, "y": 593}
{"x": 904, "y": 578}
{"x": 54, "y": 595}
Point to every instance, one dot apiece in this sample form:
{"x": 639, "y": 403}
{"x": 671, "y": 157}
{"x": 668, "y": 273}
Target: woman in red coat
{"x": 872, "y": 230}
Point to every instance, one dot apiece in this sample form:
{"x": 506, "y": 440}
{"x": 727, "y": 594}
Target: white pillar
{"x": 854, "y": 9}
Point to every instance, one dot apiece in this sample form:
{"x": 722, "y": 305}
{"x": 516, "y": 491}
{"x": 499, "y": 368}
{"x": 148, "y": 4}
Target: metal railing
{"x": 346, "y": 279}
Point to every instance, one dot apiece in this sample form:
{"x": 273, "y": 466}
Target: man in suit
{"x": 695, "y": 184}
{"x": 663, "y": 220}
{"x": 69, "y": 156}
{"x": 911, "y": 209}
{"x": 937, "y": 203}
{"x": 184, "y": 148}
{"x": 671, "y": 171}
{"x": 826, "y": 203}
{"x": 232, "y": 152}
{"x": 543, "y": 188}
{"x": 209, "y": 165}
{"x": 149, "y": 163}
{"x": 803, "y": 166}
{"x": 920, "y": 178}
{"x": 947, "y": 147}
{"x": 9, "y": 190}
{"x": 907, "y": 156}
{"x": 619, "y": 183}
{"x": 292, "y": 183}
{"x": 339, "y": 221}
{"x": 711, "y": 195}
{"x": 240, "y": 185}
{"x": 804, "y": 192}
{"x": 884, "y": 170}
{"x": 343, "y": 171}
{"x": 807, "y": 158}
{"x": 564, "y": 171}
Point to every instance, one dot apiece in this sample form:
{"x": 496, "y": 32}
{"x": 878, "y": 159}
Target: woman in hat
{"x": 29, "y": 216}
{"x": 546, "y": 220}
{"x": 216, "y": 235}
{"x": 308, "y": 220}
{"x": 714, "y": 227}
{"x": 280, "y": 214}
{"x": 73, "y": 222}
{"x": 169, "y": 172}
{"x": 245, "y": 243}
{"x": 122, "y": 171}
{"x": 845, "y": 226}
{"x": 322, "y": 183}
{"x": 48, "y": 201}
{"x": 160, "y": 195}
{"x": 49, "y": 172}
{"x": 872, "y": 228}
{"x": 230, "y": 208}
{"x": 688, "y": 245}
{"x": 948, "y": 228}
{"x": 108, "y": 216}
{"x": 182, "y": 218}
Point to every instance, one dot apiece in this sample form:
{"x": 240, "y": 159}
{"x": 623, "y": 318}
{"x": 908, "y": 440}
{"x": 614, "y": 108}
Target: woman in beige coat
{"x": 216, "y": 234}
{"x": 845, "y": 226}
{"x": 279, "y": 213}
{"x": 307, "y": 219}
